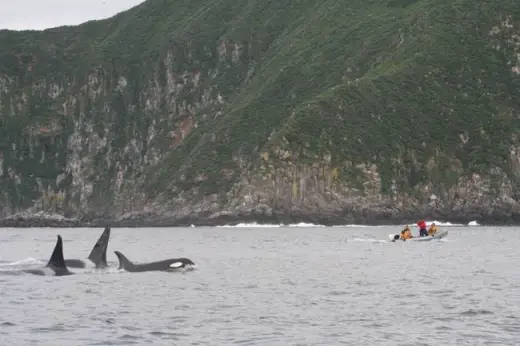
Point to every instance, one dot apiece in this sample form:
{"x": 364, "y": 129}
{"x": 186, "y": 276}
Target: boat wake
{"x": 366, "y": 240}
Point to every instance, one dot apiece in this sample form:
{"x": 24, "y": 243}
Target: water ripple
{"x": 279, "y": 286}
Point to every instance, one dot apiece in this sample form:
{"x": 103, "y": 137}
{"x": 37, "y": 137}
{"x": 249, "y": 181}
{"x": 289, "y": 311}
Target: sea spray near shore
{"x": 42, "y": 219}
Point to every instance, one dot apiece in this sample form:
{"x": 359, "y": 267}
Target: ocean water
{"x": 266, "y": 286}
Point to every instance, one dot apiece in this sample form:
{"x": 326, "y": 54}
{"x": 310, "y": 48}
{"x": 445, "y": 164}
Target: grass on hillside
{"x": 361, "y": 80}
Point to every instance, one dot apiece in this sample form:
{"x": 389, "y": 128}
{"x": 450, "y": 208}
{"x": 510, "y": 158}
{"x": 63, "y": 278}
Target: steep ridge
{"x": 181, "y": 112}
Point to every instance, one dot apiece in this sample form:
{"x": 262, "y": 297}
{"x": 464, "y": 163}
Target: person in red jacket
{"x": 423, "y": 232}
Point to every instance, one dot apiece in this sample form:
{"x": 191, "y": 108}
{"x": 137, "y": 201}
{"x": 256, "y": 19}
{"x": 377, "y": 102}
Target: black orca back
{"x": 164, "y": 265}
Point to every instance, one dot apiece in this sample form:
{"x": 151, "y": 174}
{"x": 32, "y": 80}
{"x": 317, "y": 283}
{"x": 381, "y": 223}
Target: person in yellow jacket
{"x": 406, "y": 233}
{"x": 432, "y": 230}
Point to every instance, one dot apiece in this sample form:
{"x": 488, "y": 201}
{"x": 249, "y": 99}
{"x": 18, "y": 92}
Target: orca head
{"x": 178, "y": 264}
{"x": 183, "y": 264}
{"x": 186, "y": 261}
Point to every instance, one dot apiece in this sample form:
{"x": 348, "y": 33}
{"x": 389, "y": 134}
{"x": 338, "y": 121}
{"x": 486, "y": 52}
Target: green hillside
{"x": 323, "y": 109}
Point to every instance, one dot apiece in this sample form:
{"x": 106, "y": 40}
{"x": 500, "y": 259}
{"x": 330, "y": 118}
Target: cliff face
{"x": 371, "y": 111}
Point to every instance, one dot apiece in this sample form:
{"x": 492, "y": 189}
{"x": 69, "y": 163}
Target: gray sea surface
{"x": 266, "y": 286}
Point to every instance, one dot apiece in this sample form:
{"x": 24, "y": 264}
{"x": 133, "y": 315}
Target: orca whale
{"x": 98, "y": 255}
{"x": 171, "y": 264}
{"x": 56, "y": 265}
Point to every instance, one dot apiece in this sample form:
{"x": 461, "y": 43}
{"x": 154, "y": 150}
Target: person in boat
{"x": 432, "y": 230}
{"x": 406, "y": 233}
{"x": 423, "y": 232}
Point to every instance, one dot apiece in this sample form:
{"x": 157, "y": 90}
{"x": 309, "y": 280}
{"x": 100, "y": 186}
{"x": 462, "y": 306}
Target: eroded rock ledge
{"x": 367, "y": 217}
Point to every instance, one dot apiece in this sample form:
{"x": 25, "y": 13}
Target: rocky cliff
{"x": 179, "y": 112}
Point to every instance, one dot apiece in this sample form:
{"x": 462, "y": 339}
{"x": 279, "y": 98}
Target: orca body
{"x": 98, "y": 255}
{"x": 56, "y": 265}
{"x": 173, "y": 264}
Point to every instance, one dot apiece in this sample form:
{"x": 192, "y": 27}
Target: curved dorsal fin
{"x": 124, "y": 263}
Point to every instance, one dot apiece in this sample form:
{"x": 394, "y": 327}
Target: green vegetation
{"x": 372, "y": 81}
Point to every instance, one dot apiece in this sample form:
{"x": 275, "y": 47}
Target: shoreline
{"x": 49, "y": 221}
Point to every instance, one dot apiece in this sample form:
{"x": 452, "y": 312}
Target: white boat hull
{"x": 439, "y": 235}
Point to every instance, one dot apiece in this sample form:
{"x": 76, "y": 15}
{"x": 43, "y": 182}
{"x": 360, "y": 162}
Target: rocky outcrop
{"x": 275, "y": 113}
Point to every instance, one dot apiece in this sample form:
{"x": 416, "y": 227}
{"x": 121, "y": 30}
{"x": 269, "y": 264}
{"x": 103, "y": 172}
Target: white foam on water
{"x": 301, "y": 224}
{"x": 366, "y": 240}
{"x": 250, "y": 225}
{"x": 189, "y": 267}
{"x": 25, "y": 261}
{"x": 444, "y": 224}
{"x": 358, "y": 226}
{"x": 312, "y": 225}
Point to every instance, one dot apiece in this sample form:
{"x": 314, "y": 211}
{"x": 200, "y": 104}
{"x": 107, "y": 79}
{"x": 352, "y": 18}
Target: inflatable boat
{"x": 438, "y": 235}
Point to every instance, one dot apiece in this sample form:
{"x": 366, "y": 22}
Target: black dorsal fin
{"x": 57, "y": 260}
{"x": 124, "y": 263}
{"x": 98, "y": 255}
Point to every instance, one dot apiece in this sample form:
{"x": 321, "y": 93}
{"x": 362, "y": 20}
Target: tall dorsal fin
{"x": 98, "y": 255}
{"x": 57, "y": 260}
